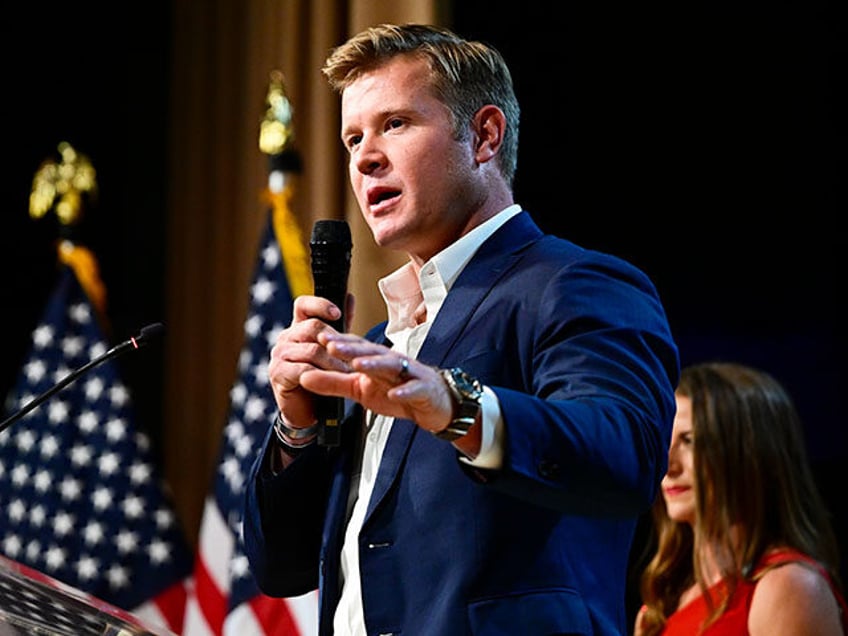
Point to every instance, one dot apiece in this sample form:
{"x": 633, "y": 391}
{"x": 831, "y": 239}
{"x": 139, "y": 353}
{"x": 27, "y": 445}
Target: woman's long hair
{"x": 754, "y": 490}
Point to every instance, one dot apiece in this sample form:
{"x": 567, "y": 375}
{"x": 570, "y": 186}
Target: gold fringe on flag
{"x": 84, "y": 264}
{"x": 290, "y": 239}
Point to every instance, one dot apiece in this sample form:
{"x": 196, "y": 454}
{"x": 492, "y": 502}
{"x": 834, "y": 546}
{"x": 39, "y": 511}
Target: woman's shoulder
{"x": 794, "y": 595}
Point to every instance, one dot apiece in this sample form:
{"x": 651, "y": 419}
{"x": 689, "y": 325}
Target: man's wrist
{"x": 291, "y": 439}
{"x": 467, "y": 396}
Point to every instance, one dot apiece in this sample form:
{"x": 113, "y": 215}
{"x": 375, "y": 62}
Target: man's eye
{"x": 395, "y": 123}
{"x": 353, "y": 140}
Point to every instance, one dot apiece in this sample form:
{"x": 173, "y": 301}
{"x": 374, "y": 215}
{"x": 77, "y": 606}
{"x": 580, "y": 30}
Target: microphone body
{"x": 330, "y": 246}
{"x": 146, "y": 334}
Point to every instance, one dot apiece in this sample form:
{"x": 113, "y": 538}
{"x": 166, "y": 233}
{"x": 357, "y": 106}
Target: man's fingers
{"x": 324, "y": 383}
{"x": 306, "y": 307}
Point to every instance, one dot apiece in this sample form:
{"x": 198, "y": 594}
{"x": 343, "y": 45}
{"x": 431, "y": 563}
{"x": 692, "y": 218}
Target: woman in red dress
{"x": 744, "y": 542}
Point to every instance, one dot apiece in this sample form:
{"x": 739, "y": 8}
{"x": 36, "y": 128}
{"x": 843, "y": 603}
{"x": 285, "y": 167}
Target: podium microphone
{"x": 330, "y": 244}
{"x": 147, "y": 333}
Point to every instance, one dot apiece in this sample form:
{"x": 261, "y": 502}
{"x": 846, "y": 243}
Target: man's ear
{"x": 489, "y": 128}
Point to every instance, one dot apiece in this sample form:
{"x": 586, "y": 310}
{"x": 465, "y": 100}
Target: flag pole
{"x": 276, "y": 139}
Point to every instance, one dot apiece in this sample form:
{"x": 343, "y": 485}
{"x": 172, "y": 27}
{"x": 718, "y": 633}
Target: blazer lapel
{"x": 494, "y": 258}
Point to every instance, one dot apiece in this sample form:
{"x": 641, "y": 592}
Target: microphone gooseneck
{"x": 143, "y": 338}
{"x": 331, "y": 246}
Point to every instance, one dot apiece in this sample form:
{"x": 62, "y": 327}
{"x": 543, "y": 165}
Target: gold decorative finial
{"x": 277, "y": 132}
{"x": 62, "y": 185}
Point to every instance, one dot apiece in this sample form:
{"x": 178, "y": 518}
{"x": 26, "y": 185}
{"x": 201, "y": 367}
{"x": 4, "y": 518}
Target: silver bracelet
{"x": 287, "y": 434}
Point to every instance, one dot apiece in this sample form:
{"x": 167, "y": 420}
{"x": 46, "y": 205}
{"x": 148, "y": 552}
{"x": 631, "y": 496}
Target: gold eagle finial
{"x": 62, "y": 185}
{"x": 276, "y": 133}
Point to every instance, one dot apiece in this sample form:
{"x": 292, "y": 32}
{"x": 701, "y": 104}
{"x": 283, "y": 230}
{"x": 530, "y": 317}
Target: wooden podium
{"x": 34, "y": 603}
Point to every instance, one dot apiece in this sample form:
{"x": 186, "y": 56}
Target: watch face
{"x": 465, "y": 384}
{"x": 467, "y": 394}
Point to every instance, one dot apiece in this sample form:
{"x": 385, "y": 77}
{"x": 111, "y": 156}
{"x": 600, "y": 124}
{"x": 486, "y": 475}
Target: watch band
{"x": 467, "y": 394}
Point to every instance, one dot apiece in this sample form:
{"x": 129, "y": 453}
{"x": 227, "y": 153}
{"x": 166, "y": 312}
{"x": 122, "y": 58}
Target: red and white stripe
{"x": 206, "y": 607}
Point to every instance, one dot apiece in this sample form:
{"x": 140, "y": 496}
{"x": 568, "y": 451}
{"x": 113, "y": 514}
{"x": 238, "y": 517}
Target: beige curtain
{"x": 223, "y": 54}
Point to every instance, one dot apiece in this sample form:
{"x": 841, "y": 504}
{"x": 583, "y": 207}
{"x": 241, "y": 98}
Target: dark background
{"x": 706, "y": 145}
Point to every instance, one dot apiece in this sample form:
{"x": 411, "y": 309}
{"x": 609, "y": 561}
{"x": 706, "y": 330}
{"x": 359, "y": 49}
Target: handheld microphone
{"x": 144, "y": 337}
{"x": 331, "y": 245}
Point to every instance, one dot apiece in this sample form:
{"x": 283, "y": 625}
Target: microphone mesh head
{"x": 333, "y": 231}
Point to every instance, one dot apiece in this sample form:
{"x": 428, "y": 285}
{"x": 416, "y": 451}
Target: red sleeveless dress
{"x": 687, "y": 620}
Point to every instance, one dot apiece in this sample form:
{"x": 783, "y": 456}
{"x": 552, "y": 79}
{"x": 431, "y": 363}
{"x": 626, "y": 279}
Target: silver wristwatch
{"x": 467, "y": 394}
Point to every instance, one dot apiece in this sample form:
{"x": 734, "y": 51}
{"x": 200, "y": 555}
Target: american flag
{"x": 226, "y": 600}
{"x": 81, "y": 499}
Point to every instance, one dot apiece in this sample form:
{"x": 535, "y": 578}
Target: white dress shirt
{"x": 404, "y": 295}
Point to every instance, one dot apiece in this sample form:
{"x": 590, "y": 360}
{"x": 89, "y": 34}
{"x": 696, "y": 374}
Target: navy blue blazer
{"x": 577, "y": 347}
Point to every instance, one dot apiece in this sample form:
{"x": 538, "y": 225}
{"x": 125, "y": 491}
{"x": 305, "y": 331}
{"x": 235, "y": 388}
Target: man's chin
{"x": 386, "y": 234}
